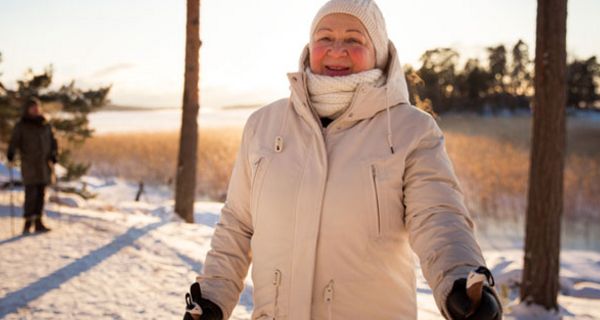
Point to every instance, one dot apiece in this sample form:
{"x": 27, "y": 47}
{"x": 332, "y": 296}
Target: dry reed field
{"x": 491, "y": 159}
{"x": 152, "y": 157}
{"x": 490, "y": 156}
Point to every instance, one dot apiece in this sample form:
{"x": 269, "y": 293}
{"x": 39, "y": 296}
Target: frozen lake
{"x": 170, "y": 119}
{"x": 164, "y": 119}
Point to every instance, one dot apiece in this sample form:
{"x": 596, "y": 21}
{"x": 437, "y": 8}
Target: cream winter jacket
{"x": 328, "y": 216}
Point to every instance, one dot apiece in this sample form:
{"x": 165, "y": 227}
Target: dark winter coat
{"x": 34, "y": 139}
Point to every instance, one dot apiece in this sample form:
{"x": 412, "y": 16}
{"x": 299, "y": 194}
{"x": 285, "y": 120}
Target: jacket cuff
{"x": 215, "y": 291}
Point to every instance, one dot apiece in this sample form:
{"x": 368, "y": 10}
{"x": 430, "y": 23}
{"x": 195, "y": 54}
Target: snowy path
{"x": 93, "y": 268}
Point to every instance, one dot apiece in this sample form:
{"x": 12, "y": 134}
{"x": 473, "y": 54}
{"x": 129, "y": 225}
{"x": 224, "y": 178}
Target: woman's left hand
{"x": 459, "y": 304}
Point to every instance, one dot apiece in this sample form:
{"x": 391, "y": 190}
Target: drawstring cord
{"x": 389, "y": 123}
{"x": 276, "y": 283}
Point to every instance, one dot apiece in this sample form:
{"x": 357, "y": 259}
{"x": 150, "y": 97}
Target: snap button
{"x": 278, "y": 144}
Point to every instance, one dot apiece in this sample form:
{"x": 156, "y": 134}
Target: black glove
{"x": 459, "y": 304}
{"x": 210, "y": 311}
{"x": 10, "y": 156}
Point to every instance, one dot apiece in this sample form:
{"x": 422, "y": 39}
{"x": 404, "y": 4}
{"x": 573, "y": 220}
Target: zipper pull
{"x": 328, "y": 295}
{"x": 277, "y": 278}
{"x": 257, "y": 162}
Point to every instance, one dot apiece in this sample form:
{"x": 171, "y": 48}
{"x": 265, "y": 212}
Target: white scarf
{"x": 331, "y": 96}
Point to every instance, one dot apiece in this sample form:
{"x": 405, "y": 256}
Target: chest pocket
{"x": 385, "y": 198}
{"x": 259, "y": 163}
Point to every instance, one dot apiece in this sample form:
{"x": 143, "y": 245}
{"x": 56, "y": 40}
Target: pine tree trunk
{"x": 545, "y": 203}
{"x": 185, "y": 188}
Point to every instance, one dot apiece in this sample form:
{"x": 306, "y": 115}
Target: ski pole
{"x": 12, "y": 205}
{"x": 57, "y": 198}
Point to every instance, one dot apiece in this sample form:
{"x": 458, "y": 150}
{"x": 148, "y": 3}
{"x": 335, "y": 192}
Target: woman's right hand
{"x": 198, "y": 308}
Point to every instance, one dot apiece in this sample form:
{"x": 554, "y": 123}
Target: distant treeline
{"x": 503, "y": 82}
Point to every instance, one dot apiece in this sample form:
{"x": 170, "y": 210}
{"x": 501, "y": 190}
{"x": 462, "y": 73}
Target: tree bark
{"x": 540, "y": 283}
{"x": 185, "y": 188}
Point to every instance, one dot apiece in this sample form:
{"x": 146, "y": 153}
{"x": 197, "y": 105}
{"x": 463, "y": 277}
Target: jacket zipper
{"x": 374, "y": 176}
{"x": 328, "y": 298}
{"x": 276, "y": 284}
{"x": 253, "y": 194}
{"x": 256, "y": 167}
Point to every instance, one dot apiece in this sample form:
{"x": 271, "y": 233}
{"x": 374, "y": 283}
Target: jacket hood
{"x": 393, "y": 93}
{"x": 25, "y": 116}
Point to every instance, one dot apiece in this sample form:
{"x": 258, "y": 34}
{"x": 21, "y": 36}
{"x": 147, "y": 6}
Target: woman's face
{"x": 340, "y": 46}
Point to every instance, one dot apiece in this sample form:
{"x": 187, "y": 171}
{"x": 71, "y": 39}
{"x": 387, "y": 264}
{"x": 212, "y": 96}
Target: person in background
{"x": 336, "y": 187}
{"x": 33, "y": 139}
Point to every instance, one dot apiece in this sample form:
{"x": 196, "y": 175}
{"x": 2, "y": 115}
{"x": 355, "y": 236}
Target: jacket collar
{"x": 367, "y": 101}
{"x": 37, "y": 120}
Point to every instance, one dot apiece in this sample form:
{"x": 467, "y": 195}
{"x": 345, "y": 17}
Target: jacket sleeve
{"x": 440, "y": 228}
{"x": 228, "y": 260}
{"x": 15, "y": 142}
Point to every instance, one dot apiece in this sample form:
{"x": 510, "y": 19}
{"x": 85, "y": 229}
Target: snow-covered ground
{"x": 113, "y": 258}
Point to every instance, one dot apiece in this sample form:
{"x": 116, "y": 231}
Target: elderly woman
{"x": 335, "y": 187}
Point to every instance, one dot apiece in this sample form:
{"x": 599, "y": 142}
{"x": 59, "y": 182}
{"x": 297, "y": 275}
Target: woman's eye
{"x": 353, "y": 41}
{"x": 327, "y": 39}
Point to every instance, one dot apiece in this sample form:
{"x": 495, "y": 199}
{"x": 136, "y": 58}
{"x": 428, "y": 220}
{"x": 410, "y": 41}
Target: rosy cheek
{"x": 361, "y": 58}
{"x": 317, "y": 53}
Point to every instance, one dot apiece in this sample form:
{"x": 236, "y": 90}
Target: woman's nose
{"x": 337, "y": 49}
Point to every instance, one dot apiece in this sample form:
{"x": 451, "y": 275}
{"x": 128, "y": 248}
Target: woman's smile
{"x": 337, "y": 71}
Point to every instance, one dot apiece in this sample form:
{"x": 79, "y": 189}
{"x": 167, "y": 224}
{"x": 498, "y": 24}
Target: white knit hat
{"x": 371, "y": 17}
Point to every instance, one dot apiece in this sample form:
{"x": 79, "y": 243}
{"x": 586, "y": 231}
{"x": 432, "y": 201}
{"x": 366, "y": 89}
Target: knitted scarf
{"x": 331, "y": 96}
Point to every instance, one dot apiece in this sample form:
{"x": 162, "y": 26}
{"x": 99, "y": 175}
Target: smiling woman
{"x": 334, "y": 188}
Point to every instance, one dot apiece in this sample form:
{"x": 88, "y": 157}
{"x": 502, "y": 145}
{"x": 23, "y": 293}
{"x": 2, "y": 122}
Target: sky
{"x": 137, "y": 46}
